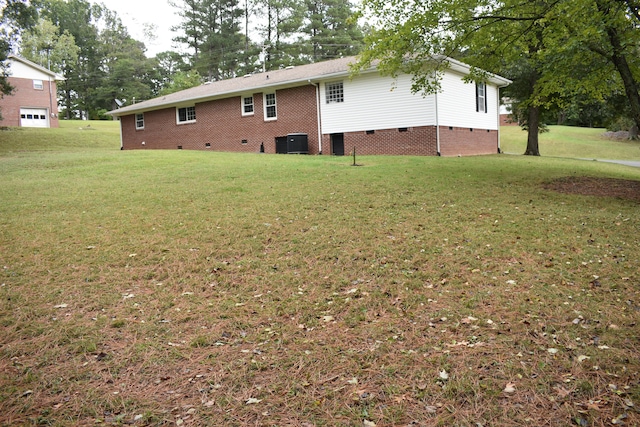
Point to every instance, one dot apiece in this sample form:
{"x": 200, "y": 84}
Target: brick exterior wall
{"x": 221, "y": 124}
{"x": 25, "y": 96}
{"x": 467, "y": 142}
{"x": 507, "y": 120}
{"x": 414, "y": 141}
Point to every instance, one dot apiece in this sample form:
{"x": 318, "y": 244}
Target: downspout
{"x": 121, "y": 139}
{"x": 437, "y": 127}
{"x": 498, "y": 118}
{"x": 319, "y": 117}
{"x": 50, "y": 103}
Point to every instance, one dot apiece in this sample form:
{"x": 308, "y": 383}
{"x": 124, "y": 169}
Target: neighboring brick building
{"x": 321, "y": 109}
{"x": 33, "y": 102}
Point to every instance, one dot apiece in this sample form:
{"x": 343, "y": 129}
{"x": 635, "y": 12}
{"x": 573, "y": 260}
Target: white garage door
{"x": 34, "y": 118}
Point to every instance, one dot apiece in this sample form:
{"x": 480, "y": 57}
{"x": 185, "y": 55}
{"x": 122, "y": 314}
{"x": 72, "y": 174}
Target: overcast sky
{"x": 136, "y": 13}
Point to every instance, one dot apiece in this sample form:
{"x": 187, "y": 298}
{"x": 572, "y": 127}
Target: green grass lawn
{"x": 202, "y": 288}
{"x": 572, "y": 142}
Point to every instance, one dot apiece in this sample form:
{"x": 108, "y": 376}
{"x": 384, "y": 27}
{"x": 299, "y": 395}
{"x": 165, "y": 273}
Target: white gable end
{"x": 372, "y": 102}
{"x": 457, "y": 104}
{"x": 23, "y": 71}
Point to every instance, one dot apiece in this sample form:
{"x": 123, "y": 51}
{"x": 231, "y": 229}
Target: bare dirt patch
{"x": 603, "y": 187}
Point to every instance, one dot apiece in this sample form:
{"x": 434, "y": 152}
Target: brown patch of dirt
{"x": 604, "y": 187}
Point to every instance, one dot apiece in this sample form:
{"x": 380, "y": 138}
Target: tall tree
{"x": 128, "y": 72}
{"x": 44, "y": 44}
{"x": 211, "y": 28}
{"x": 78, "y": 18}
{"x": 331, "y": 29}
{"x": 167, "y": 65}
{"x": 281, "y": 32}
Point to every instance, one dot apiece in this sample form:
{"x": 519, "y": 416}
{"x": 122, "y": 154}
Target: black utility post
{"x": 354, "y": 156}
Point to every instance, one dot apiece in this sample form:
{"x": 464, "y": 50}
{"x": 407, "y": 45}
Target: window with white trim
{"x": 247, "y": 105}
{"x": 270, "y": 110}
{"x": 186, "y": 114}
{"x": 140, "y": 121}
{"x": 481, "y": 97}
{"x": 334, "y": 92}
{"x": 38, "y": 85}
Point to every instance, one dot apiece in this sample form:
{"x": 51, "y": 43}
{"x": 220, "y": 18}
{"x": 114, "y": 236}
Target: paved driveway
{"x": 622, "y": 162}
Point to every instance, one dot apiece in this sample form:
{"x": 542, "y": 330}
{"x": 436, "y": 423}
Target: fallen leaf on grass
{"x": 443, "y": 375}
{"x": 510, "y": 388}
{"x": 619, "y": 419}
{"x": 552, "y": 350}
{"x": 328, "y": 318}
{"x": 60, "y": 306}
{"x": 252, "y": 401}
{"x": 582, "y": 358}
{"x": 561, "y": 391}
{"x": 368, "y": 423}
{"x": 431, "y": 409}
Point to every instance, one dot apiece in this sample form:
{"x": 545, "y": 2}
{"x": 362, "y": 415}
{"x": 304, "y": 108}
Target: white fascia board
{"x": 466, "y": 69}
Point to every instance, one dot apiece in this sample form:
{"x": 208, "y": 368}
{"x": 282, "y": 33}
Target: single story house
{"x": 321, "y": 109}
{"x": 34, "y": 101}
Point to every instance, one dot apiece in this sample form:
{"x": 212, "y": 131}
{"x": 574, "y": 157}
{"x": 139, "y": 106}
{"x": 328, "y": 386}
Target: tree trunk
{"x": 619, "y": 60}
{"x": 630, "y": 88}
{"x": 532, "y": 133}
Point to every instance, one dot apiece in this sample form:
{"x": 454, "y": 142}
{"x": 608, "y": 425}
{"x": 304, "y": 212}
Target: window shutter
{"x": 485, "y": 97}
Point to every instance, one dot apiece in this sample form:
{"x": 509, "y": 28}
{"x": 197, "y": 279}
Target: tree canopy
{"x": 104, "y": 66}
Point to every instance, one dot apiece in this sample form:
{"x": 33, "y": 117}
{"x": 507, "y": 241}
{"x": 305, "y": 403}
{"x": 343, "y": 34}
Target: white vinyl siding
{"x": 457, "y": 104}
{"x": 373, "y": 102}
{"x": 23, "y": 71}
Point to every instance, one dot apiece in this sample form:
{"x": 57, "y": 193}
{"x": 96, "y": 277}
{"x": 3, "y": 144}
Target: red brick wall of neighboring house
{"x": 25, "y": 96}
{"x": 414, "y": 141}
{"x": 507, "y": 120}
{"x": 221, "y": 124}
{"x": 467, "y": 142}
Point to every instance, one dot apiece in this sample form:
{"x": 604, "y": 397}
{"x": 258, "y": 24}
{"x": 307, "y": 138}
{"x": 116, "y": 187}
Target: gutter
{"x": 498, "y": 116}
{"x": 319, "y": 113}
{"x": 121, "y": 138}
{"x": 437, "y": 126}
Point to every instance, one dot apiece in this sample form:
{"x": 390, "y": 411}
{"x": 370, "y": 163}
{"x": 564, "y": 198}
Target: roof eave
{"x": 36, "y": 66}
{"x": 132, "y": 109}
